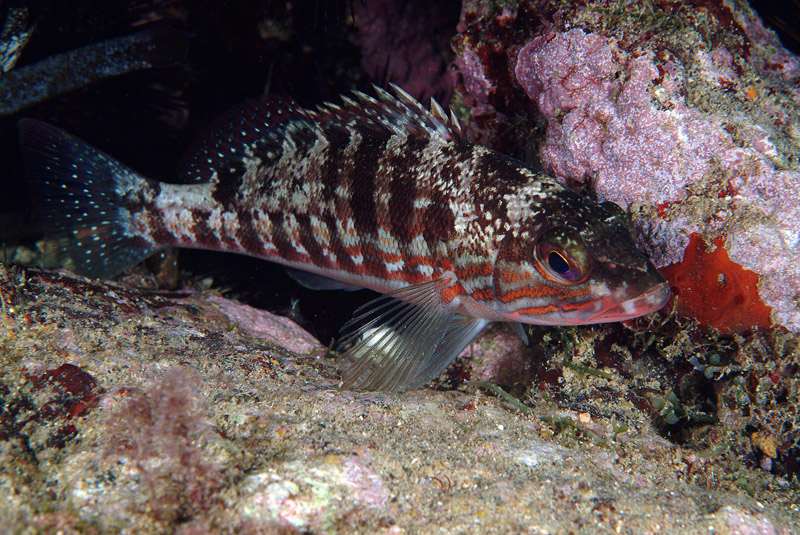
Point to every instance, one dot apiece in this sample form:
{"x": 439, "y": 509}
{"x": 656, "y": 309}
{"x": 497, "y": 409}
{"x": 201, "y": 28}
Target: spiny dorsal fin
{"x": 434, "y": 120}
{"x": 437, "y": 111}
{"x": 395, "y": 111}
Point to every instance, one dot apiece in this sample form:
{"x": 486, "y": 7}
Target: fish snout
{"x": 613, "y": 308}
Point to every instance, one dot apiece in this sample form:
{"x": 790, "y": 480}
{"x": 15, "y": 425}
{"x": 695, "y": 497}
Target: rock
{"x": 405, "y": 43}
{"x": 184, "y": 420}
{"x": 687, "y": 116}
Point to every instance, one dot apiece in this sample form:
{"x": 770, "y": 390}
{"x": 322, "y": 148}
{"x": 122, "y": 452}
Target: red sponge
{"x": 718, "y": 292}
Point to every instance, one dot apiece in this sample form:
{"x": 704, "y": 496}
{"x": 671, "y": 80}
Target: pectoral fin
{"x": 461, "y": 331}
{"x": 405, "y": 338}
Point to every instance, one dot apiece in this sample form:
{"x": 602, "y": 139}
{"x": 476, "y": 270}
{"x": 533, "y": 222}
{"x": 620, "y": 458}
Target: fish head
{"x": 575, "y": 262}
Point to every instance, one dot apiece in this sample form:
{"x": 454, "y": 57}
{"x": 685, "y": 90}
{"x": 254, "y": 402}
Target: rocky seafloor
{"x": 142, "y": 411}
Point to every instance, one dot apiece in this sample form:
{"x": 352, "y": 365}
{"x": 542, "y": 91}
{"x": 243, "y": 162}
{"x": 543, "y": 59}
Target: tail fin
{"x": 79, "y": 193}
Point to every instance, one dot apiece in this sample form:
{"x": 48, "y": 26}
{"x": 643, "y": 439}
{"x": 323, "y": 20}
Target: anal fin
{"x": 312, "y": 281}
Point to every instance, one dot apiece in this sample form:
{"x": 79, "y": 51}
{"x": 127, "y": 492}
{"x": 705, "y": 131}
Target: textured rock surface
{"x": 406, "y": 43}
{"x": 132, "y": 411}
{"x": 689, "y": 116}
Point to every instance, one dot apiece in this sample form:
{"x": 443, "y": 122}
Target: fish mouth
{"x": 608, "y": 309}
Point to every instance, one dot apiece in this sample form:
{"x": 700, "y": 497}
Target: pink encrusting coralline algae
{"x": 696, "y": 133}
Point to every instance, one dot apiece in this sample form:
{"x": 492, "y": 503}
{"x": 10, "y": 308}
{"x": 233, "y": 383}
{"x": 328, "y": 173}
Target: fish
{"x": 25, "y": 86}
{"x": 376, "y": 192}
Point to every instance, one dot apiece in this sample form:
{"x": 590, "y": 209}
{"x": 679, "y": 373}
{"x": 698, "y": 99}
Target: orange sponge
{"x": 716, "y": 291}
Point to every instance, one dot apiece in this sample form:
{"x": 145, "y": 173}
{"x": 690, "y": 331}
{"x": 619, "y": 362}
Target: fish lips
{"x": 609, "y": 309}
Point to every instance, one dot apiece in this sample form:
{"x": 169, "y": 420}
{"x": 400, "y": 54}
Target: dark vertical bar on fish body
{"x": 204, "y": 235}
{"x": 247, "y": 235}
{"x": 407, "y": 170}
{"x": 439, "y": 220}
{"x": 279, "y": 238}
{"x": 360, "y": 181}
{"x": 363, "y": 184}
{"x": 330, "y": 168}
{"x": 310, "y": 243}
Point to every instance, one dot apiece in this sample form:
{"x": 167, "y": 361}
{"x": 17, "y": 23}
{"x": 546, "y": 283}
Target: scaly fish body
{"x": 381, "y": 194}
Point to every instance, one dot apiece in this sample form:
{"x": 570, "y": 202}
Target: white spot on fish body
{"x": 292, "y": 230}
{"x": 320, "y": 231}
{"x": 214, "y": 222}
{"x": 387, "y": 243}
{"x": 425, "y": 269}
{"x": 329, "y": 255}
{"x": 418, "y": 246}
{"x": 382, "y": 198}
{"x": 179, "y": 222}
{"x": 394, "y": 266}
{"x": 301, "y": 200}
{"x": 230, "y": 226}
{"x": 347, "y": 232}
{"x": 263, "y": 226}
{"x": 342, "y": 191}
{"x": 421, "y": 202}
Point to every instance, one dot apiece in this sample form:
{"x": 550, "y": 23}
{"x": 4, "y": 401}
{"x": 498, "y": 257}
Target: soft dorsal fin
{"x": 257, "y": 124}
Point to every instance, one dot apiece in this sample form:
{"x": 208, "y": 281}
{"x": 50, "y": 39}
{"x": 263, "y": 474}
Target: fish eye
{"x": 562, "y": 255}
{"x": 558, "y": 263}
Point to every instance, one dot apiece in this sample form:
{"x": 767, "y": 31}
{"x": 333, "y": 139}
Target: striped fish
{"x": 377, "y": 193}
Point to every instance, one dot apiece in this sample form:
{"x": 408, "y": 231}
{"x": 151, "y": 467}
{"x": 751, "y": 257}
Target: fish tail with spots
{"x": 377, "y": 193}
{"x": 81, "y": 196}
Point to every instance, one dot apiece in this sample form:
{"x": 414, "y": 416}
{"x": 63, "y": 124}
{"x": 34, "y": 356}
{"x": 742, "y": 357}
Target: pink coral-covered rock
{"x": 696, "y": 133}
{"x": 735, "y": 521}
{"x": 607, "y": 130}
{"x": 498, "y": 355}
{"x": 479, "y": 86}
{"x": 311, "y": 494}
{"x": 262, "y": 324}
{"x": 405, "y": 43}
